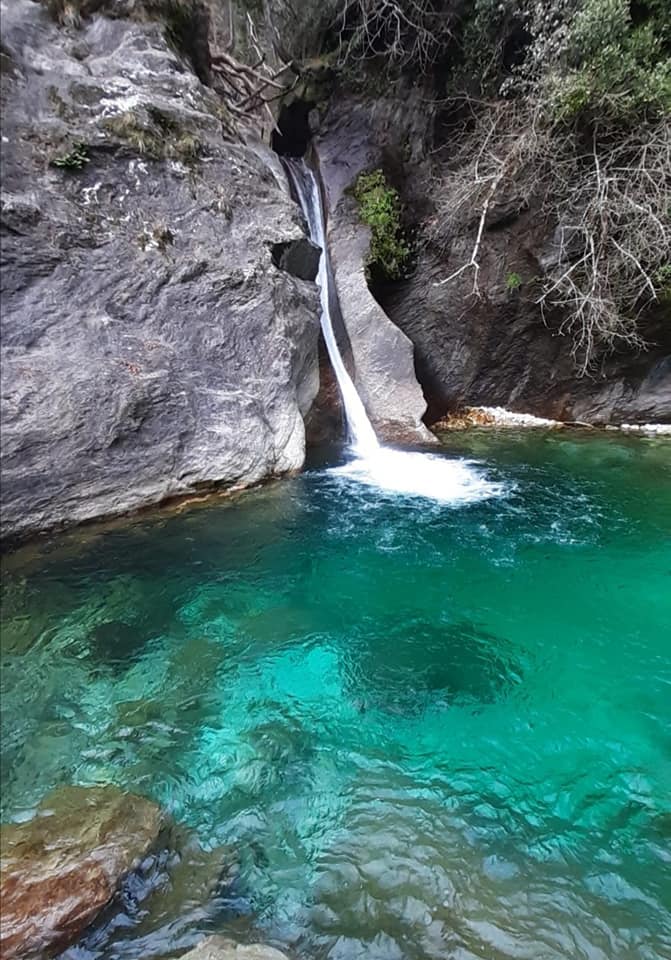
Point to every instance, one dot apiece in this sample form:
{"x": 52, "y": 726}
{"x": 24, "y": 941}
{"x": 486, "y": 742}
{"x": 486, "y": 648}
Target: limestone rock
{"x": 60, "y": 869}
{"x": 150, "y": 345}
{"x": 220, "y": 948}
{"x": 382, "y": 354}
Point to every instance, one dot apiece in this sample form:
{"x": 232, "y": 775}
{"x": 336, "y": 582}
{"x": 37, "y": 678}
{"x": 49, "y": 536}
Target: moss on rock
{"x": 380, "y": 208}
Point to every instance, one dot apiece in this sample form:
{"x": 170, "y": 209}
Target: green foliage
{"x": 513, "y": 281}
{"x": 617, "y": 68}
{"x": 74, "y": 160}
{"x": 662, "y": 282}
{"x": 380, "y": 208}
{"x": 585, "y": 59}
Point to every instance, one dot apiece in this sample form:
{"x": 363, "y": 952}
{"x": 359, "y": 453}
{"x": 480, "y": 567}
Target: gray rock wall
{"x": 494, "y": 349}
{"x": 150, "y": 346}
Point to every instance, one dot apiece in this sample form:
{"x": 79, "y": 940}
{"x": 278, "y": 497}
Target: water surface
{"x": 431, "y": 730}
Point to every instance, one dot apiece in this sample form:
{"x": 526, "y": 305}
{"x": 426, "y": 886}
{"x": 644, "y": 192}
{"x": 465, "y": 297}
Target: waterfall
{"x": 306, "y": 185}
{"x": 403, "y": 472}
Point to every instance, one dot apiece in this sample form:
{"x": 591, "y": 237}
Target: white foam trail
{"x": 426, "y": 475}
{"x": 397, "y": 471}
{"x": 361, "y": 431}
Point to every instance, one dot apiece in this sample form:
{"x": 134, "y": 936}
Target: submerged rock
{"x": 150, "y": 345}
{"x": 60, "y": 869}
{"x": 95, "y": 860}
{"x": 220, "y": 948}
{"x": 115, "y": 641}
{"x": 458, "y": 664}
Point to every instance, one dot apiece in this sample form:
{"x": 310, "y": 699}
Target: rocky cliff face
{"x": 494, "y": 348}
{"x": 150, "y": 344}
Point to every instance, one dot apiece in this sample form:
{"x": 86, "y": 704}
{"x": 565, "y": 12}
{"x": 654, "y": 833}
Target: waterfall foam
{"x": 396, "y": 471}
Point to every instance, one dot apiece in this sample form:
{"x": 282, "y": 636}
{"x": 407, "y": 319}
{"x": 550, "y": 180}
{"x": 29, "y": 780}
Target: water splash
{"x": 417, "y": 474}
{"x": 397, "y": 471}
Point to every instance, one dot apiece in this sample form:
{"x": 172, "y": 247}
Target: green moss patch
{"x": 380, "y": 208}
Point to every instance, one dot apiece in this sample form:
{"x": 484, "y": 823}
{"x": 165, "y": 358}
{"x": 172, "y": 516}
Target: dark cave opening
{"x": 295, "y": 127}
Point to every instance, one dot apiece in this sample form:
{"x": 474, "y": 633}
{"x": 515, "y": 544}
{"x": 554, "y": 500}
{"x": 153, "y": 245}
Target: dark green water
{"x": 431, "y": 731}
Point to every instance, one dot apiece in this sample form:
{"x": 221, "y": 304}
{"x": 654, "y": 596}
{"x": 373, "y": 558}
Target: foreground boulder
{"x": 219, "y": 948}
{"x": 60, "y": 869}
{"x": 152, "y": 343}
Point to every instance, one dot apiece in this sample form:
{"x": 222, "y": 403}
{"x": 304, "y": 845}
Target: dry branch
{"x": 610, "y": 205}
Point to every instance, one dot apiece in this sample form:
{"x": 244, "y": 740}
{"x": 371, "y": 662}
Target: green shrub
{"x": 617, "y": 68}
{"x": 513, "y": 281}
{"x": 73, "y": 160}
{"x": 662, "y": 282}
{"x": 380, "y": 208}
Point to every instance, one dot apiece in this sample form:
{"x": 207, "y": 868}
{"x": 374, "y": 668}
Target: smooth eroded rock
{"x": 382, "y": 354}
{"x": 61, "y": 868}
{"x": 220, "y": 948}
{"x": 150, "y": 345}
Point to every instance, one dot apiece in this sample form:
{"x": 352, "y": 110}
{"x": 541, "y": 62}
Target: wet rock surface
{"x": 151, "y": 346}
{"x": 220, "y": 948}
{"x": 61, "y": 868}
{"x": 384, "y": 372}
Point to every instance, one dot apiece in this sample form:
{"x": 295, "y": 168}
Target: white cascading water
{"x": 362, "y": 436}
{"x": 410, "y": 473}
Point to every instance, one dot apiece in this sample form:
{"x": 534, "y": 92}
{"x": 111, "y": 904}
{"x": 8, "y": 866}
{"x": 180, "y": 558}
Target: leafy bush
{"x": 615, "y": 68}
{"x": 380, "y": 208}
{"x": 73, "y": 160}
{"x": 513, "y": 281}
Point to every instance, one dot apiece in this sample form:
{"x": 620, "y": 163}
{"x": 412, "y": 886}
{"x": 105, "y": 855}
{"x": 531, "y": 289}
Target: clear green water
{"x": 430, "y": 731}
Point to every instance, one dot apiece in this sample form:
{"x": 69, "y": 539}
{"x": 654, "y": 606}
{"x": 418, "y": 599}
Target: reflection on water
{"x": 427, "y": 731}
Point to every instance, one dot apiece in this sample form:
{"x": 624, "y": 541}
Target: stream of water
{"x": 432, "y": 730}
{"x": 306, "y": 186}
{"x": 385, "y": 468}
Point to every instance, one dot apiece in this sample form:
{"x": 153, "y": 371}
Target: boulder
{"x": 382, "y": 355}
{"x": 220, "y": 948}
{"x": 150, "y": 344}
{"x": 60, "y": 869}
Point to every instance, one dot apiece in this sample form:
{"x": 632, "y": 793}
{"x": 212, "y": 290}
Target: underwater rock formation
{"x": 60, "y": 869}
{"x": 220, "y": 948}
